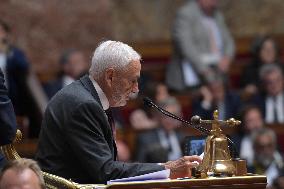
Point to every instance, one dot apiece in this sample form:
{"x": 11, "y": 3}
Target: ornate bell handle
{"x": 196, "y": 120}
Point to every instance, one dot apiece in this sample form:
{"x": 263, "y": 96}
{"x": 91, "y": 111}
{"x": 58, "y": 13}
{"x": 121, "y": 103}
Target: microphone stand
{"x": 195, "y": 122}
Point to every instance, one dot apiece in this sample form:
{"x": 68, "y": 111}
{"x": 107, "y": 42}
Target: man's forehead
{"x": 21, "y": 177}
{"x": 135, "y": 64}
{"x": 134, "y": 67}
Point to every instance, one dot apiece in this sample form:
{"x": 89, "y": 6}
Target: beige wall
{"x": 250, "y": 17}
{"x": 44, "y": 27}
{"x": 140, "y": 20}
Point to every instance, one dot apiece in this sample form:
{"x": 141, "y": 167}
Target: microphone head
{"x": 148, "y": 102}
{"x": 195, "y": 120}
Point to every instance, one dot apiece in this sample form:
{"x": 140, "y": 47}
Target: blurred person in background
{"x": 142, "y": 118}
{"x": 122, "y": 141}
{"x": 202, "y": 44}
{"x": 271, "y": 98}
{"x": 73, "y": 66}
{"x": 252, "y": 120}
{"x": 16, "y": 67}
{"x": 8, "y": 124}
{"x": 264, "y": 51}
{"x": 267, "y": 160}
{"x": 215, "y": 96}
{"x": 21, "y": 174}
{"x": 164, "y": 139}
{"x": 123, "y": 151}
{"x": 278, "y": 183}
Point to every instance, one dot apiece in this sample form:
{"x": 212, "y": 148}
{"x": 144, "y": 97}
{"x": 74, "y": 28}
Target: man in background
{"x": 267, "y": 160}
{"x": 165, "y": 139}
{"x": 252, "y": 120}
{"x": 73, "y": 65}
{"x": 271, "y": 98}
{"x": 202, "y": 44}
{"x": 8, "y": 124}
{"x": 16, "y": 68}
{"x": 21, "y": 174}
{"x": 215, "y": 95}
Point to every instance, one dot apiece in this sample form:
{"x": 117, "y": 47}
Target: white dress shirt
{"x": 3, "y": 65}
{"x": 67, "y": 80}
{"x": 274, "y": 106}
{"x": 101, "y": 94}
{"x": 246, "y": 150}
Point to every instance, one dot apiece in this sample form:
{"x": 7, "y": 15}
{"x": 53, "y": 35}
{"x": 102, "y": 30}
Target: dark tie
{"x": 276, "y": 120}
{"x": 111, "y": 122}
{"x": 169, "y": 142}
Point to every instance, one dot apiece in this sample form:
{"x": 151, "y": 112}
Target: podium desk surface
{"x": 240, "y": 182}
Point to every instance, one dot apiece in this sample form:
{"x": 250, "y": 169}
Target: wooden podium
{"x": 242, "y": 182}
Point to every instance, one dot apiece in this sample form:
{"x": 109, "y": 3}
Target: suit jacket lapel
{"x": 87, "y": 83}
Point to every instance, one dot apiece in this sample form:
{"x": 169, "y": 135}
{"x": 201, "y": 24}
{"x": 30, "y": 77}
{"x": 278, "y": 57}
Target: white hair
{"x": 113, "y": 54}
{"x": 267, "y": 69}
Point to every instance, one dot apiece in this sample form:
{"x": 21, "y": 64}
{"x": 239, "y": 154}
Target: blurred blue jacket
{"x": 8, "y": 124}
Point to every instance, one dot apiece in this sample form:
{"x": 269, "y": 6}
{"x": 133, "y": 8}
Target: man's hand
{"x": 182, "y": 167}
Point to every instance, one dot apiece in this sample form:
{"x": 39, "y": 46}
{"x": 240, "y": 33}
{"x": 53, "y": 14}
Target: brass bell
{"x": 217, "y": 160}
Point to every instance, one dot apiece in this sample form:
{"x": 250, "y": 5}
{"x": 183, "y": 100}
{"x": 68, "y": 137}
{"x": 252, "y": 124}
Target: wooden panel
{"x": 163, "y": 49}
{"x": 244, "y": 182}
{"x": 27, "y": 148}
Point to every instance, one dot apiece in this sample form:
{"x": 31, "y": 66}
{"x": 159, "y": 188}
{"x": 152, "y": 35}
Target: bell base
{"x": 218, "y": 168}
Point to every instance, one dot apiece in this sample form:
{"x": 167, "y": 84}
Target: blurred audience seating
{"x": 27, "y": 147}
{"x": 156, "y": 55}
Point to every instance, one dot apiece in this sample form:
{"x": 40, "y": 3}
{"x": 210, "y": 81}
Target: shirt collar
{"x": 67, "y": 80}
{"x": 276, "y": 97}
{"x": 101, "y": 94}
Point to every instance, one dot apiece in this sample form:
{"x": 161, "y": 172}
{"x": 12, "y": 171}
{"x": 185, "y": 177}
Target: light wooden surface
{"x": 244, "y": 182}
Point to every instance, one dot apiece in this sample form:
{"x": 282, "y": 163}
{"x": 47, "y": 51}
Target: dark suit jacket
{"x": 259, "y": 100}
{"x": 7, "y": 117}
{"x": 76, "y": 140}
{"x": 17, "y": 70}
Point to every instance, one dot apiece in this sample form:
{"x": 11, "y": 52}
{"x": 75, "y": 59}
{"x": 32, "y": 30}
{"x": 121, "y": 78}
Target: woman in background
{"x": 265, "y": 51}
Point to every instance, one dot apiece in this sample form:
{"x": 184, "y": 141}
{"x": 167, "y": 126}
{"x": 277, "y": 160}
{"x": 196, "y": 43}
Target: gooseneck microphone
{"x": 148, "y": 102}
{"x": 195, "y": 123}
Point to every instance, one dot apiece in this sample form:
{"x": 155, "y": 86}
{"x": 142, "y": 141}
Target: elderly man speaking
{"x": 77, "y": 139}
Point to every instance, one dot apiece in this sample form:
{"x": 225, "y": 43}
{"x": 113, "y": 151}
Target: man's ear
{"x": 109, "y": 75}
